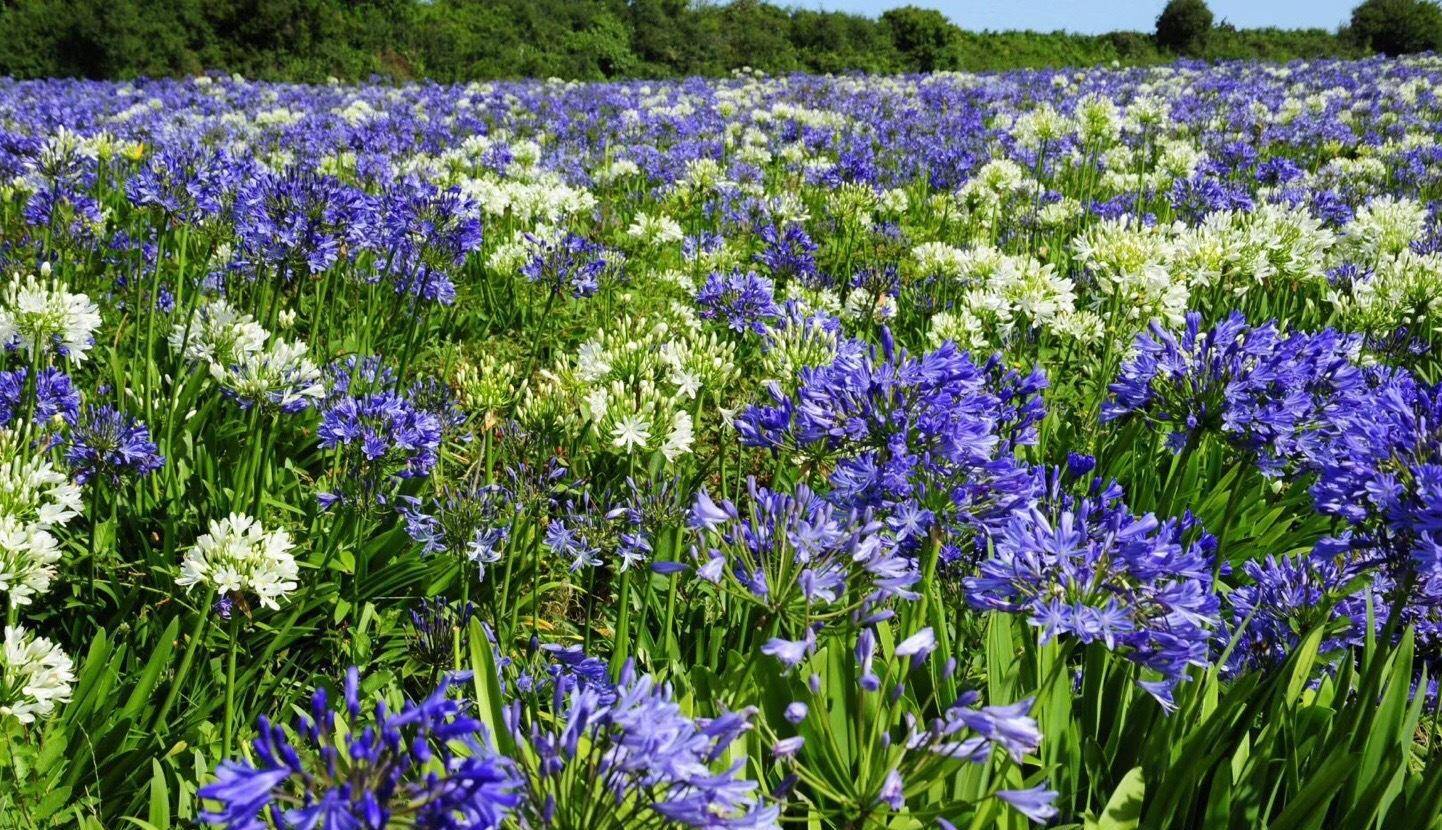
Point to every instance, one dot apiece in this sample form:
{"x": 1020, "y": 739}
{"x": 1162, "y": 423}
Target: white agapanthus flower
{"x": 28, "y": 555}
{"x": 34, "y": 498}
{"x": 35, "y": 675}
{"x": 40, "y": 313}
{"x": 239, "y": 556}
{"x": 282, "y": 376}
{"x": 218, "y": 336}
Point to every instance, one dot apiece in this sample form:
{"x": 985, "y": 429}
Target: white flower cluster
{"x": 239, "y": 556}
{"x": 35, "y": 675}
{"x": 241, "y": 355}
{"x": 34, "y": 499}
{"x": 1001, "y": 295}
{"x": 41, "y": 313}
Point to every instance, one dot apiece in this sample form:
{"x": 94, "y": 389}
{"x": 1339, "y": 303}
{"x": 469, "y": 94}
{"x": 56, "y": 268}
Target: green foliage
{"x": 923, "y": 36}
{"x": 1183, "y": 26}
{"x": 1397, "y": 27}
{"x": 463, "y": 40}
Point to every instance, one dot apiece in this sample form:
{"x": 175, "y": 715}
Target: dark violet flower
{"x": 376, "y": 439}
{"x": 742, "y": 299}
{"x": 571, "y": 265}
{"x": 110, "y": 446}
{"x": 1273, "y": 395}
{"x": 1090, "y": 569}
{"x": 919, "y": 439}
{"x": 54, "y": 396}
{"x": 429, "y": 766}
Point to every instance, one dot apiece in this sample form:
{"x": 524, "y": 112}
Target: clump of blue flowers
{"x": 742, "y": 299}
{"x": 1091, "y": 570}
{"x": 429, "y": 766}
{"x": 927, "y": 440}
{"x": 109, "y": 446}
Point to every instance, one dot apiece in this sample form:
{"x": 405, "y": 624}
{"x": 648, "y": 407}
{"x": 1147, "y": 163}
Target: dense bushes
{"x": 456, "y": 40}
{"x": 1397, "y": 27}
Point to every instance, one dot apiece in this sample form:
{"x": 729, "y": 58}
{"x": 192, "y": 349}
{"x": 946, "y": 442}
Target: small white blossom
{"x": 35, "y": 674}
{"x": 239, "y": 556}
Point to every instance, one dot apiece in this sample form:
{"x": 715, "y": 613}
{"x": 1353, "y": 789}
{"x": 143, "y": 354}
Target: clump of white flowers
{"x": 1270, "y": 245}
{"x": 654, "y": 230}
{"x": 34, "y": 499}
{"x": 218, "y": 336}
{"x": 239, "y": 557}
{"x": 1385, "y": 226}
{"x": 241, "y": 355}
{"x": 1403, "y": 292}
{"x": 41, "y": 313}
{"x": 1129, "y": 260}
{"x": 282, "y": 376}
{"x": 35, "y": 675}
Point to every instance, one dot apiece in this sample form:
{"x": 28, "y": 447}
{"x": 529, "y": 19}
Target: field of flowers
{"x": 950, "y": 451}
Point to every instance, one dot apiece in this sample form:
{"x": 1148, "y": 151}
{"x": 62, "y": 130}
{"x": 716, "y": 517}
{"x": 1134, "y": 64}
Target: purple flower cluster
{"x": 1277, "y": 396}
{"x": 1090, "y": 569}
{"x": 54, "y": 396}
{"x": 799, "y": 555}
{"x": 474, "y": 522}
{"x": 110, "y": 446}
{"x": 628, "y": 756}
{"x": 919, "y": 438}
{"x": 377, "y": 437}
{"x": 571, "y": 265}
{"x": 429, "y": 766}
{"x": 740, "y": 298}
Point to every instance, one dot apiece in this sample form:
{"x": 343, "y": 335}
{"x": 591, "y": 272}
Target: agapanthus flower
{"x": 378, "y": 439}
{"x": 799, "y": 555}
{"x": 428, "y": 766}
{"x": 34, "y": 499}
{"x": 570, "y": 265}
{"x": 35, "y": 675}
{"x": 1274, "y": 395}
{"x": 743, "y": 300}
{"x": 40, "y": 314}
{"x": 111, "y": 446}
{"x": 789, "y": 254}
{"x": 280, "y": 377}
{"x": 914, "y": 437}
{"x": 238, "y": 558}
{"x": 434, "y": 624}
{"x": 1283, "y": 599}
{"x": 218, "y": 335}
{"x": 474, "y": 522}
{"x": 629, "y": 756}
{"x": 1091, "y": 570}
{"x": 917, "y": 752}
{"x": 53, "y": 396}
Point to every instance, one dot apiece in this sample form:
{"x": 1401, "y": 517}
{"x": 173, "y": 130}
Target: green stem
{"x": 197, "y": 631}
{"x": 229, "y": 725}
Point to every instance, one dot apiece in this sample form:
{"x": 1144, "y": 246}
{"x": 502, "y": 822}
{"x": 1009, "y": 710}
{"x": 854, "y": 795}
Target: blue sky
{"x": 1105, "y": 15}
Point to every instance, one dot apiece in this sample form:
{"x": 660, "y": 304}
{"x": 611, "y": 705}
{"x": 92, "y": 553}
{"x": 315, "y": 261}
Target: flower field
{"x": 956, "y": 451}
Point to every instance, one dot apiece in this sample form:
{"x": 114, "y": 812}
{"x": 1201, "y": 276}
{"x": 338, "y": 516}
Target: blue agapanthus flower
{"x": 54, "y": 396}
{"x": 1090, "y": 569}
{"x": 1275, "y": 395}
{"x": 571, "y": 265}
{"x": 741, "y": 299}
{"x": 921, "y": 438}
{"x": 626, "y": 754}
{"x": 107, "y": 445}
{"x": 378, "y": 438}
{"x": 429, "y": 766}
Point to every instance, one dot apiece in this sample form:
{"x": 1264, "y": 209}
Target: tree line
{"x": 461, "y": 40}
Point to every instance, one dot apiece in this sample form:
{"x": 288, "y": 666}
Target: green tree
{"x": 924, "y": 37}
{"x": 1397, "y": 27}
{"x": 1183, "y": 26}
